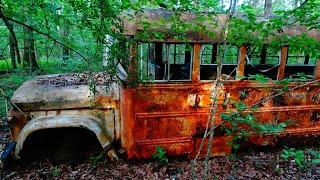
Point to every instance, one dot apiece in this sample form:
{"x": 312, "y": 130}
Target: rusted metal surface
{"x": 59, "y": 122}
{"x": 101, "y": 122}
{"x": 41, "y": 95}
{"x": 166, "y": 115}
{"x": 71, "y": 105}
{"x": 298, "y": 106}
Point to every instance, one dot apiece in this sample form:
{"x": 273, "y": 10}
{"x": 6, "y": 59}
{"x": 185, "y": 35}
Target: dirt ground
{"x": 249, "y": 163}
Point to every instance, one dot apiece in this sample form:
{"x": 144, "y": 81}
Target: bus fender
{"x": 40, "y": 123}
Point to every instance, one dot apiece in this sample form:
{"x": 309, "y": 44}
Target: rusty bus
{"x": 172, "y": 111}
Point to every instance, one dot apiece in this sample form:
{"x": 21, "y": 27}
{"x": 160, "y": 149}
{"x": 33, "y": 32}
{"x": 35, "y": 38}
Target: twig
{"x": 217, "y": 88}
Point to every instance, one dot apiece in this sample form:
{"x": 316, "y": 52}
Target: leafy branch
{"x": 49, "y": 36}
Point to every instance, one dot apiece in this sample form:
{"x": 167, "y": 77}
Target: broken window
{"x": 165, "y": 62}
{"x": 299, "y": 65}
{"x": 262, "y": 60}
{"x": 209, "y": 54}
{"x": 180, "y": 61}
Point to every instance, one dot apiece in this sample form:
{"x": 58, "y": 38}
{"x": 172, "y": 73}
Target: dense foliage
{"x": 75, "y": 30}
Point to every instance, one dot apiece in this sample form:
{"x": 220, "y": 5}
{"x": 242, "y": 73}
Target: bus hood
{"x": 69, "y": 91}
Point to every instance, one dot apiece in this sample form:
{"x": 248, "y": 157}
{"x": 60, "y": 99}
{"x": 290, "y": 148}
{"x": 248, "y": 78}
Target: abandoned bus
{"x": 171, "y": 111}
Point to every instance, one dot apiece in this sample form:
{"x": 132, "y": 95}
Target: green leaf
{"x": 225, "y": 116}
{"x": 313, "y": 152}
{"x": 282, "y": 125}
{"x": 53, "y": 7}
{"x": 315, "y": 161}
{"x": 240, "y": 77}
{"x": 240, "y": 106}
{"x": 284, "y": 156}
{"x": 236, "y": 146}
{"x": 228, "y": 131}
{"x": 260, "y": 78}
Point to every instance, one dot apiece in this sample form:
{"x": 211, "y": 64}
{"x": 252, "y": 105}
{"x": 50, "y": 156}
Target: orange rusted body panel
{"x": 301, "y": 106}
{"x": 164, "y": 115}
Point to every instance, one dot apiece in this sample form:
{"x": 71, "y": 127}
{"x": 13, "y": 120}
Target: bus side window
{"x": 299, "y": 65}
{"x": 180, "y": 61}
{"x": 262, "y": 60}
{"x": 165, "y": 62}
{"x": 151, "y": 61}
{"x": 209, "y": 55}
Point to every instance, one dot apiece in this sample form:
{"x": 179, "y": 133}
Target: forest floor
{"x": 249, "y": 163}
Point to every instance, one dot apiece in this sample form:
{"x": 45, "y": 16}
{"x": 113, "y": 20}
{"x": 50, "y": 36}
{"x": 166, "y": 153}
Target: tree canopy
{"x": 76, "y": 29}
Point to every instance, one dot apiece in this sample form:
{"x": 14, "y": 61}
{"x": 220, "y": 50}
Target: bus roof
{"x": 196, "y": 28}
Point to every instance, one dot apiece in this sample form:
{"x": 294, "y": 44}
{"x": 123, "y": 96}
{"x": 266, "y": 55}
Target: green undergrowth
{"x": 9, "y": 82}
{"x": 5, "y": 65}
{"x": 301, "y": 158}
{"x": 54, "y": 66}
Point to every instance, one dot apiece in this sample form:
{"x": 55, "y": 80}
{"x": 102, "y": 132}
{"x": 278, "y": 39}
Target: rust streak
{"x": 171, "y": 114}
{"x": 288, "y": 108}
{"x": 165, "y": 141}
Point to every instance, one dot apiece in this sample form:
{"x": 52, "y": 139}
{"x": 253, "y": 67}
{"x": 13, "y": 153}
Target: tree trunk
{"x": 12, "y": 51}
{"x": 12, "y": 34}
{"x": 65, "y": 33}
{"x": 29, "y": 55}
{"x": 268, "y": 8}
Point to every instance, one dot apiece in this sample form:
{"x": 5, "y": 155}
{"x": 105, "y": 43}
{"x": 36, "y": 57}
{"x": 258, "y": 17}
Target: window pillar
{"x": 196, "y": 63}
{"x": 283, "y": 62}
{"x": 241, "y": 61}
{"x": 317, "y": 70}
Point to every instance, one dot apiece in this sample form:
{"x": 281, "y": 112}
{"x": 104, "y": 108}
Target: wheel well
{"x": 71, "y": 142}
